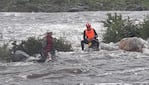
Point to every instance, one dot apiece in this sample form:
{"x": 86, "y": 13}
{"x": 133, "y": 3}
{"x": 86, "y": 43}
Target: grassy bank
{"x": 72, "y": 5}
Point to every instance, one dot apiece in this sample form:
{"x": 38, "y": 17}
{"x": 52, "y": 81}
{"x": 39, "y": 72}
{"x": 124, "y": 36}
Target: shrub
{"x": 131, "y": 29}
{"x": 33, "y": 46}
{"x": 118, "y": 28}
{"x": 62, "y": 45}
{"x": 145, "y": 28}
{"x": 113, "y": 24}
{"x": 5, "y": 53}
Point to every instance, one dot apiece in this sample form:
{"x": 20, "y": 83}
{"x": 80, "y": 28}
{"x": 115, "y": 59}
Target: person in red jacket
{"x": 47, "y": 47}
{"x": 49, "y": 40}
{"x": 89, "y": 36}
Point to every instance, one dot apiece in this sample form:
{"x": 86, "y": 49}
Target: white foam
{"x": 21, "y": 63}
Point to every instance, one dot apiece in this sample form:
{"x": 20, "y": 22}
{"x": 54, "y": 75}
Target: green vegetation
{"x": 118, "y": 28}
{"x": 72, "y": 5}
{"x": 32, "y": 46}
{"x": 145, "y": 28}
{"x": 62, "y": 45}
{"x": 5, "y": 53}
{"x": 145, "y": 3}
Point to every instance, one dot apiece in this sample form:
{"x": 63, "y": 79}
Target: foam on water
{"x": 21, "y": 64}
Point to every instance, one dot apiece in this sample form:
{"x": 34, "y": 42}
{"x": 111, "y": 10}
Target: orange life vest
{"x": 90, "y": 34}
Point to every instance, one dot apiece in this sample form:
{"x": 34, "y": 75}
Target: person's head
{"x": 49, "y": 33}
{"x": 14, "y": 42}
{"x": 88, "y": 26}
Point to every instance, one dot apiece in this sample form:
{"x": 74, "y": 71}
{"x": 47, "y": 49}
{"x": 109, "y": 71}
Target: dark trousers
{"x": 95, "y": 41}
{"x": 44, "y": 54}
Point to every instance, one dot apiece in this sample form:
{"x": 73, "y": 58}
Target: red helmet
{"x": 88, "y": 25}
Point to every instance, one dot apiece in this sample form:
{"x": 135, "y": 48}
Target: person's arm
{"x": 95, "y": 34}
{"x": 84, "y": 36}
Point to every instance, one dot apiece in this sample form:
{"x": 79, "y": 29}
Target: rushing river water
{"x": 70, "y": 68}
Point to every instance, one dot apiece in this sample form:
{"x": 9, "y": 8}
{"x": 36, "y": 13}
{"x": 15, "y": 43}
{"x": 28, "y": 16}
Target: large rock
{"x": 20, "y": 56}
{"x": 133, "y": 44}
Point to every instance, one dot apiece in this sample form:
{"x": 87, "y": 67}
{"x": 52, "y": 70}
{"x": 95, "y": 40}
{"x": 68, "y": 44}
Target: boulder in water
{"x": 20, "y": 56}
{"x": 133, "y": 44}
